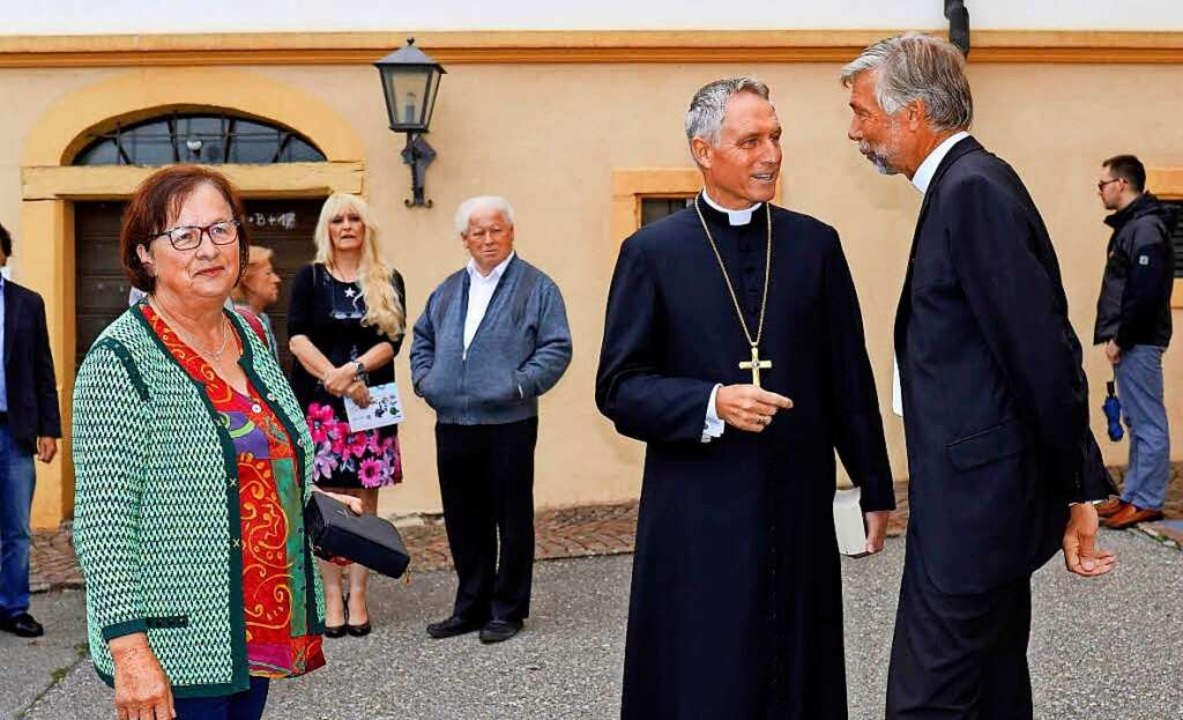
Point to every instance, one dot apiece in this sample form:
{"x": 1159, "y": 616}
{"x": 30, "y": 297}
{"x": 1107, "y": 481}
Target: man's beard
{"x": 879, "y": 157}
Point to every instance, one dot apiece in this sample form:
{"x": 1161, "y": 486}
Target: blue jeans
{"x": 1139, "y": 385}
{"x": 246, "y": 705}
{"x": 17, "y": 478}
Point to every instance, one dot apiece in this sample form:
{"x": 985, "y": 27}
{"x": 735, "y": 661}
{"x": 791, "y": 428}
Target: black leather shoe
{"x": 334, "y": 631}
{"x": 22, "y": 625}
{"x": 500, "y": 631}
{"x": 452, "y": 627}
{"x": 358, "y": 630}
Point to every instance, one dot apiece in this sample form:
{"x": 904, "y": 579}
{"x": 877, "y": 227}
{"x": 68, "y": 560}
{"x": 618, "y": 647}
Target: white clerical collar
{"x": 734, "y": 217}
{"x": 475, "y": 273}
{"x": 928, "y": 168}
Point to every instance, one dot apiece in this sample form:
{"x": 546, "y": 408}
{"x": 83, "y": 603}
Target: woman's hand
{"x": 338, "y": 380}
{"x": 359, "y": 394}
{"x": 142, "y": 690}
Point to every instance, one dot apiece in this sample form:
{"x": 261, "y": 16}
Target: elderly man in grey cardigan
{"x": 492, "y": 339}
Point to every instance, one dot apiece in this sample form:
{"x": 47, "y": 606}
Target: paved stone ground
{"x": 1104, "y": 649}
{"x": 572, "y": 532}
{"x": 52, "y": 563}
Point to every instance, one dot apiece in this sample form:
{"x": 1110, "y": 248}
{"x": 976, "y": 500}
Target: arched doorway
{"x": 54, "y": 190}
{"x": 285, "y": 226}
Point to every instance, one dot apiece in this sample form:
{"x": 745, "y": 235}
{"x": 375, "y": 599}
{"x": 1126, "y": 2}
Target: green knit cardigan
{"x": 156, "y": 513}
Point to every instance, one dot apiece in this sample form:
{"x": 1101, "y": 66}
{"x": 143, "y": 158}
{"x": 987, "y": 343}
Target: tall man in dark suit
{"x": 995, "y": 401}
{"x": 30, "y": 424}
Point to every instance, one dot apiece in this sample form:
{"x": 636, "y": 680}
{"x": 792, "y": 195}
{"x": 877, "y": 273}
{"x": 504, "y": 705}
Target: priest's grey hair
{"x": 481, "y": 202}
{"x": 915, "y": 67}
{"x": 705, "y": 116}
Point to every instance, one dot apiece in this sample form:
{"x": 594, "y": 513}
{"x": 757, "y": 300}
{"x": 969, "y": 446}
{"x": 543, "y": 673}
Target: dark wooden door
{"x": 101, "y": 289}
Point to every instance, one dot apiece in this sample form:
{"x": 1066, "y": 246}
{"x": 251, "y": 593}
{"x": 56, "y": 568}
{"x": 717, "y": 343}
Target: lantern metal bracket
{"x": 418, "y": 154}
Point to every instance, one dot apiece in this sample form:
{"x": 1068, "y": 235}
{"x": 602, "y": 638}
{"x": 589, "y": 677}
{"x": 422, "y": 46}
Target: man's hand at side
{"x": 1112, "y": 353}
{"x": 1081, "y": 554}
{"x": 748, "y": 407}
{"x": 47, "y": 448}
{"x": 876, "y": 530}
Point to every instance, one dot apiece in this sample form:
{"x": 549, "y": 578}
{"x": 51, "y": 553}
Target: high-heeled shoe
{"x": 356, "y": 630}
{"x": 338, "y": 631}
{"x": 335, "y": 631}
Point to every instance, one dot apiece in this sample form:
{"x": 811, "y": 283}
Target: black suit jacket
{"x": 28, "y": 369}
{"x": 995, "y": 400}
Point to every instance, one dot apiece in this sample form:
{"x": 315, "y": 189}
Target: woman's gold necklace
{"x": 214, "y": 355}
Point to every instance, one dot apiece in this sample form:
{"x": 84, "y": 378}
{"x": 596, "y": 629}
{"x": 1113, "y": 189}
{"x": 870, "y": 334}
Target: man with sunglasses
{"x": 1134, "y": 325}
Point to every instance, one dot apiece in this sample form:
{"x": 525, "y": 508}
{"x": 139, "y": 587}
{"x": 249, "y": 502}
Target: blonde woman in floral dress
{"x": 346, "y": 324}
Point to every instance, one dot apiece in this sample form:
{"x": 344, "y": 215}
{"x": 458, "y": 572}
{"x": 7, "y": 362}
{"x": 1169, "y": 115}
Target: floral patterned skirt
{"x": 369, "y": 459}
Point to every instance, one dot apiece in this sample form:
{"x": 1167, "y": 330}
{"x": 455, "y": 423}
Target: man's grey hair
{"x": 481, "y": 202}
{"x": 915, "y": 67}
{"x": 705, "y": 116}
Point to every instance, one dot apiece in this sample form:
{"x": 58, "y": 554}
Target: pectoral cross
{"x": 755, "y": 365}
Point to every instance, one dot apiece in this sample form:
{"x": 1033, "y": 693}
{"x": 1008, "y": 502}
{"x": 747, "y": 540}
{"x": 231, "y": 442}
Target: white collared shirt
{"x": 480, "y": 292}
{"x": 735, "y": 217}
{"x": 923, "y": 177}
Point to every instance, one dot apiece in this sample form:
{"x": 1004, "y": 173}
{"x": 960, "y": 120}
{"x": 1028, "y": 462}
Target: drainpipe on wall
{"x": 958, "y": 24}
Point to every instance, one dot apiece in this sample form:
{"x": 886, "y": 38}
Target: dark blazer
{"x": 995, "y": 400}
{"x": 28, "y": 368}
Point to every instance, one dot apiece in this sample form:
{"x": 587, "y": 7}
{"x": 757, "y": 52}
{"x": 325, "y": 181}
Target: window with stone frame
{"x": 655, "y": 208}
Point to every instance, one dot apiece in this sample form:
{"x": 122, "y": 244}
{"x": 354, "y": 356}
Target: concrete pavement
{"x": 1107, "y": 649}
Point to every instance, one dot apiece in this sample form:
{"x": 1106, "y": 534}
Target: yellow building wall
{"x": 549, "y": 137}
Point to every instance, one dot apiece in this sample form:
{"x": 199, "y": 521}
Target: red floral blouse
{"x": 277, "y": 639}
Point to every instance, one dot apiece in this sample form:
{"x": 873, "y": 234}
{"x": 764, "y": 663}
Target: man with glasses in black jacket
{"x": 1134, "y": 325}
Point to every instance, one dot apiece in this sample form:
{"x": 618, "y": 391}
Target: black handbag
{"x": 336, "y": 532}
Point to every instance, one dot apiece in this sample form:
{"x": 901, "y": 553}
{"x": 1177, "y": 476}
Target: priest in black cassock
{"x": 733, "y": 347}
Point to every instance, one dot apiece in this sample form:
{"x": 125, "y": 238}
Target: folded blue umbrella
{"x": 1112, "y": 409}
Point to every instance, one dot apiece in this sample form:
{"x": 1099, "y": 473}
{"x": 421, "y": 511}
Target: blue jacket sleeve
{"x": 423, "y": 345}
{"x": 49, "y": 417}
{"x": 552, "y": 351}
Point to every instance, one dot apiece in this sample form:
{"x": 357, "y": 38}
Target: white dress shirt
{"x": 923, "y": 177}
{"x": 480, "y": 292}
{"x": 713, "y": 426}
{"x": 921, "y": 180}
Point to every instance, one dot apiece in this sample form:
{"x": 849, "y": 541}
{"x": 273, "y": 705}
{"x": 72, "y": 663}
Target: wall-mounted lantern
{"x": 410, "y": 81}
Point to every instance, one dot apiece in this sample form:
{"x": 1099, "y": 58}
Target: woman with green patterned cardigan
{"x": 192, "y": 465}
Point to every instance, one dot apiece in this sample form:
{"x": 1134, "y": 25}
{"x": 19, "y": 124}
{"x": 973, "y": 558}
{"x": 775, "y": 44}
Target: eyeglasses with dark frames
{"x": 1102, "y": 183}
{"x": 188, "y": 237}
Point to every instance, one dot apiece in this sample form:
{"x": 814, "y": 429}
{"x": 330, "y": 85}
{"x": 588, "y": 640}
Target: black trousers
{"x": 487, "y": 483}
{"x": 960, "y": 657}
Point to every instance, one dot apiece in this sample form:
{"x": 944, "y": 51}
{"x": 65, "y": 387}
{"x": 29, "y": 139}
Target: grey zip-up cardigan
{"x": 521, "y": 348}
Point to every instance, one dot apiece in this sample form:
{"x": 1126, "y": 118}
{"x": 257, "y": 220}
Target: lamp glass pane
{"x": 406, "y": 95}
{"x": 431, "y": 88}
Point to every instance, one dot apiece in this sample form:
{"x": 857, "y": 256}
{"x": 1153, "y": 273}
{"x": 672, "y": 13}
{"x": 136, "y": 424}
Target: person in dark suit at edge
{"x": 30, "y": 425}
{"x": 1003, "y": 466}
